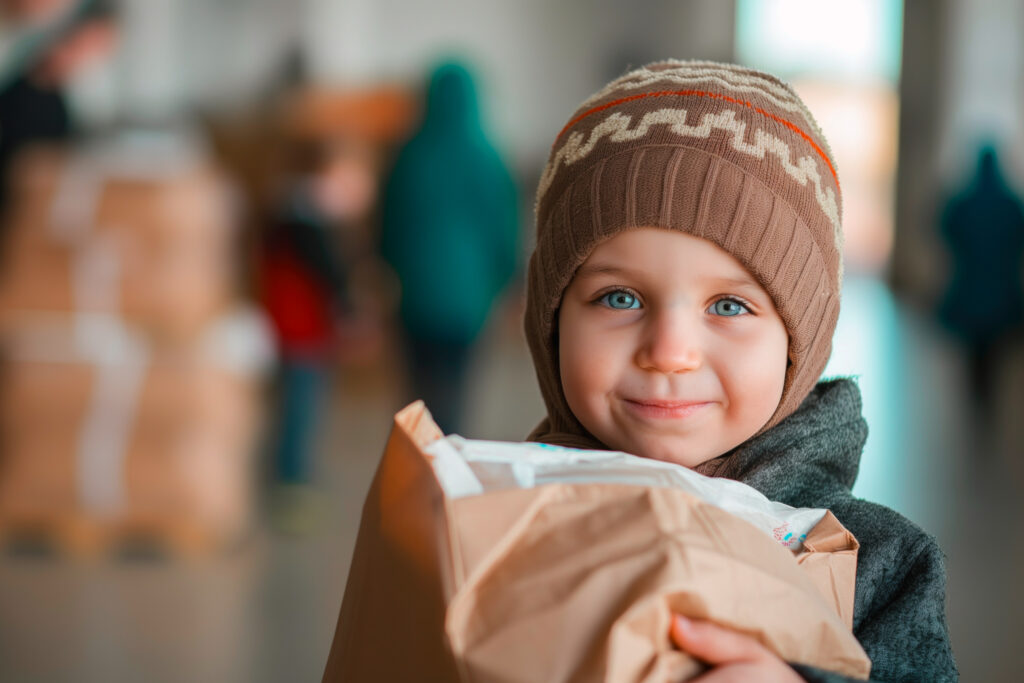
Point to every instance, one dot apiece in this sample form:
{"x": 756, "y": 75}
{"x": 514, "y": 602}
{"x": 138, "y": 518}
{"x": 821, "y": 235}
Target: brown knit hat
{"x": 721, "y": 152}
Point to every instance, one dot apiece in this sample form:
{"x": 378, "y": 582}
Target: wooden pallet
{"x": 82, "y": 537}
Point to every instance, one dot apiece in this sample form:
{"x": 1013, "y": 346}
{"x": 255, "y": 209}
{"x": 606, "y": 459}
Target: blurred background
{"x": 238, "y": 235}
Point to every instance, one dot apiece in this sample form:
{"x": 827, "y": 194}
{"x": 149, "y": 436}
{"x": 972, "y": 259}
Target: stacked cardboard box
{"x": 130, "y": 391}
{"x": 125, "y": 229}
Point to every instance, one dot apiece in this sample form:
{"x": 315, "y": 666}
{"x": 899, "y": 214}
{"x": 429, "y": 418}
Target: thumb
{"x": 711, "y": 643}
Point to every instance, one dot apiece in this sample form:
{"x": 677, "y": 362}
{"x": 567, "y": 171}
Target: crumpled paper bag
{"x": 572, "y": 582}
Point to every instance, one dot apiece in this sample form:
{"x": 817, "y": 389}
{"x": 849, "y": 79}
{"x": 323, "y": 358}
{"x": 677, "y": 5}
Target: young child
{"x": 681, "y": 303}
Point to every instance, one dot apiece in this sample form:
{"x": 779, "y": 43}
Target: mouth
{"x": 664, "y": 409}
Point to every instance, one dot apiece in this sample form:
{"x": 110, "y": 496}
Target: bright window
{"x": 843, "y": 58}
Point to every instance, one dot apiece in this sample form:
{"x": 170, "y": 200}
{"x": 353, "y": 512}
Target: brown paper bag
{"x": 572, "y": 582}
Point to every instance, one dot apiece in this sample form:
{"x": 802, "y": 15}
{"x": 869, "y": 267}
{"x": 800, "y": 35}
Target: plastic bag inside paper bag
{"x": 469, "y": 467}
{"x": 482, "y": 561}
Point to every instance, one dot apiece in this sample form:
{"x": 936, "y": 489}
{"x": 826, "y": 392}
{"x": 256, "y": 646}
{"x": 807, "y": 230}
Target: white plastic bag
{"x": 466, "y": 467}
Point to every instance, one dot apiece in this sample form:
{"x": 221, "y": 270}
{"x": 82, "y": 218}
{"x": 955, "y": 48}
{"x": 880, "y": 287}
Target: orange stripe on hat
{"x": 713, "y": 95}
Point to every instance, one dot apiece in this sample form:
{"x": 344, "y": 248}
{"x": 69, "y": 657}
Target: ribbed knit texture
{"x": 717, "y": 151}
{"x": 811, "y": 459}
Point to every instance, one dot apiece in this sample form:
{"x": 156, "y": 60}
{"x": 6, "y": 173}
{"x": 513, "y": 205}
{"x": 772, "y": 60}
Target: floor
{"x": 266, "y": 611}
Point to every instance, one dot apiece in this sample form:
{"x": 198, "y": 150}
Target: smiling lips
{"x": 660, "y": 409}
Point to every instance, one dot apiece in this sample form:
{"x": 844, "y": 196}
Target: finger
{"x": 711, "y": 643}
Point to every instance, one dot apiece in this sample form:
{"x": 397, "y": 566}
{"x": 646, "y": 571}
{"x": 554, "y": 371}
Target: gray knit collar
{"x": 810, "y": 456}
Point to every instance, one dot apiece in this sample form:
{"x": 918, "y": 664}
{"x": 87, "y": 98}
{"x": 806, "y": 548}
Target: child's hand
{"x": 730, "y": 655}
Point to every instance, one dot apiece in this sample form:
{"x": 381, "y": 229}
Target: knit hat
{"x": 721, "y": 152}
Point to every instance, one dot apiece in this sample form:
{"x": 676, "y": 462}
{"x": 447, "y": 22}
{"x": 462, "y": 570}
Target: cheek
{"x": 754, "y": 374}
{"x": 779, "y": 361}
{"x": 588, "y": 366}
{"x": 575, "y": 359}
{"x": 756, "y": 383}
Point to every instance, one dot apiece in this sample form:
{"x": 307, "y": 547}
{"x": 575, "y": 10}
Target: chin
{"x": 679, "y": 453}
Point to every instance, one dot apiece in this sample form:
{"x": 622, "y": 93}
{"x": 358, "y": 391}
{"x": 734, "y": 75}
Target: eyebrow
{"x": 738, "y": 282}
{"x": 590, "y": 270}
{"x": 587, "y": 270}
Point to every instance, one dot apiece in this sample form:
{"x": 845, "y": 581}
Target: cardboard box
{"x": 200, "y": 473}
{"x": 150, "y": 239}
{"x": 95, "y": 422}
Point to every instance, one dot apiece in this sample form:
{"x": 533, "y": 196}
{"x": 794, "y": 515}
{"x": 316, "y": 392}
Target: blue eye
{"x": 620, "y": 300}
{"x": 728, "y": 308}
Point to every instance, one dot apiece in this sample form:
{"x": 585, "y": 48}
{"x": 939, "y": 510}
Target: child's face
{"x": 669, "y": 348}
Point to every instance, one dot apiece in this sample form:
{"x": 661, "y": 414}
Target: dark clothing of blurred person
{"x": 29, "y": 113}
{"x": 983, "y": 225}
{"x": 52, "y": 40}
{"x": 450, "y": 231}
{"x": 305, "y": 291}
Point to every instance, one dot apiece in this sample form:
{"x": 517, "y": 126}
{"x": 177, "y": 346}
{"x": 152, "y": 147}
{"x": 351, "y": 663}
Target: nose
{"x": 671, "y": 344}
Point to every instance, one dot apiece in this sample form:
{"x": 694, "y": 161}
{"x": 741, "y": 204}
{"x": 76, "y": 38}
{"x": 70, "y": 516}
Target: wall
{"x": 962, "y": 83}
{"x": 537, "y": 59}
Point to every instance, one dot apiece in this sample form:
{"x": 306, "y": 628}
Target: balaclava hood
{"x": 717, "y": 151}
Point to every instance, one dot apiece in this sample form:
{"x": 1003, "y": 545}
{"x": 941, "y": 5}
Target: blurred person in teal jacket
{"x": 983, "y": 225}
{"x": 450, "y": 231}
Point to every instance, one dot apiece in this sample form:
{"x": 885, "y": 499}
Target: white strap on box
{"x": 121, "y": 361}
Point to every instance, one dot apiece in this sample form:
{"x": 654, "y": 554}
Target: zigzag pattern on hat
{"x": 616, "y": 127}
{"x": 722, "y": 75}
